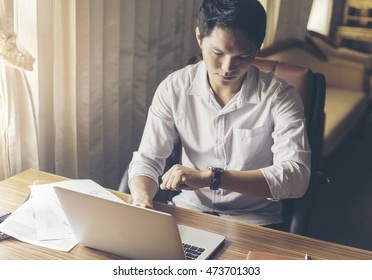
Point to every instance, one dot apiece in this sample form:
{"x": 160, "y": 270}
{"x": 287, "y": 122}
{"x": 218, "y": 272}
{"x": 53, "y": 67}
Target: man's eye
{"x": 217, "y": 53}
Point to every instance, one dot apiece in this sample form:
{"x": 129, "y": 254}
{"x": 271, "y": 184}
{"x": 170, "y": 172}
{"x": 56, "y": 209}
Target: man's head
{"x": 247, "y": 17}
{"x": 230, "y": 33}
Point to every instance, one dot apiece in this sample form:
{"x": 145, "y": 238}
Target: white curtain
{"x": 272, "y": 10}
{"x": 18, "y": 138}
{"x": 286, "y": 19}
{"x": 293, "y": 18}
{"x": 320, "y": 16}
{"x": 98, "y": 65}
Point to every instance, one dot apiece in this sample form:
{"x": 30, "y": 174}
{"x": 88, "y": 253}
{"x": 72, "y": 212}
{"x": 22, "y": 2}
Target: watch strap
{"x": 215, "y": 182}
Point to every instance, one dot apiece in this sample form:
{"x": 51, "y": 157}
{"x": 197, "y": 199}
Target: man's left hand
{"x": 179, "y": 177}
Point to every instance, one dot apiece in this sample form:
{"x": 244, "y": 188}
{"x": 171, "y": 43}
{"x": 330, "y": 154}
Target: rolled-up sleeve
{"x": 158, "y": 137}
{"x": 289, "y": 175}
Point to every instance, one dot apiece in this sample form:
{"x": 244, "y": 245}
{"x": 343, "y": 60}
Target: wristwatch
{"x": 216, "y": 178}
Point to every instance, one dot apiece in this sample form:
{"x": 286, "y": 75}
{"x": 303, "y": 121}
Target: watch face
{"x": 216, "y": 178}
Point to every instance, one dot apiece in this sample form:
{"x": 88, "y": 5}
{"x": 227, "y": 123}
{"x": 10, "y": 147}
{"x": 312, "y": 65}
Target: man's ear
{"x": 197, "y": 34}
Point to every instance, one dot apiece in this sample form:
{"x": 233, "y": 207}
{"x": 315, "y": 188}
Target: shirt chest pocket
{"x": 248, "y": 147}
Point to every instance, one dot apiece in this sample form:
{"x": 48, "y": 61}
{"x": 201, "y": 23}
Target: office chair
{"x": 311, "y": 87}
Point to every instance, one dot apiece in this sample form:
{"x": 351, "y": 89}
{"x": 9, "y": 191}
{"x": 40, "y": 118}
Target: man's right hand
{"x": 143, "y": 190}
{"x": 143, "y": 202}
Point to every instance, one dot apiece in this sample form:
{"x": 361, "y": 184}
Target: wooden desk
{"x": 240, "y": 237}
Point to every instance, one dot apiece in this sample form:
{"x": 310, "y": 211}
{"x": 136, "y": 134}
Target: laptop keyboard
{"x": 4, "y": 236}
{"x": 3, "y": 216}
{"x": 192, "y": 252}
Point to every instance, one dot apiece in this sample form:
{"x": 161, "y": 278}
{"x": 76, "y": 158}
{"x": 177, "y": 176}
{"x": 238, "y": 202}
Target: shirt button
{"x": 219, "y": 142}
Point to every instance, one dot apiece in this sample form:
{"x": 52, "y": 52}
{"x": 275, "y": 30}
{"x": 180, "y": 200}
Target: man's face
{"x": 227, "y": 56}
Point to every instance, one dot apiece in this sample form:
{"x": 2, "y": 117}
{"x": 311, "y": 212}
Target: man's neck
{"x": 224, "y": 94}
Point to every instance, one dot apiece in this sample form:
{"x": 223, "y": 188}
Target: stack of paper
{"x": 41, "y": 220}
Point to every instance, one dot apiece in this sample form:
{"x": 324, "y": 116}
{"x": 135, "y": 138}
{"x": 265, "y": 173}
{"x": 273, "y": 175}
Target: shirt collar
{"x": 248, "y": 93}
{"x": 199, "y": 85}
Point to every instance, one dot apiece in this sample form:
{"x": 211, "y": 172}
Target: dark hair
{"x": 245, "y": 16}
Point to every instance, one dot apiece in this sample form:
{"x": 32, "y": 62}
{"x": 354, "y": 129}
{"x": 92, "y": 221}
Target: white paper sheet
{"x": 22, "y": 226}
{"x": 51, "y": 222}
{"x": 41, "y": 220}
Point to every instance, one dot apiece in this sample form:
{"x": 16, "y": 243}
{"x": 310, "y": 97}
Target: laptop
{"x": 133, "y": 232}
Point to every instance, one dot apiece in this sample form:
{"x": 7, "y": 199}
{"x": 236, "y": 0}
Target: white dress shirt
{"x": 262, "y": 127}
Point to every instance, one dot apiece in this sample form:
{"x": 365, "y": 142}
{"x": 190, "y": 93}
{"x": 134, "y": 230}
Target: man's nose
{"x": 227, "y": 65}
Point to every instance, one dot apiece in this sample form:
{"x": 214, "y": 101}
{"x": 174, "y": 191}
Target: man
{"x": 244, "y": 143}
